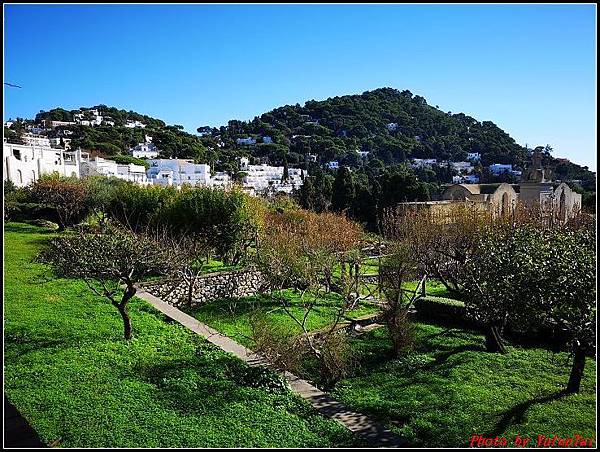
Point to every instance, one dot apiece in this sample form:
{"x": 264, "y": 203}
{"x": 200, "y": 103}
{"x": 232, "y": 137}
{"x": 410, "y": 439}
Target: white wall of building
{"x": 24, "y": 164}
{"x": 178, "y": 172}
{"x": 144, "y": 151}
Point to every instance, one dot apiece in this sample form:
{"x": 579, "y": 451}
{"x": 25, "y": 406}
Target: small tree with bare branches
{"x": 111, "y": 260}
{"x": 297, "y": 249}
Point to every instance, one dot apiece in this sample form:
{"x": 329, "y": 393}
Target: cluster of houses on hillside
{"x": 25, "y": 163}
{"x": 465, "y": 169}
{"x": 91, "y": 117}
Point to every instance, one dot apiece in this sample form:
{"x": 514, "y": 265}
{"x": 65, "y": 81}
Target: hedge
{"x": 440, "y": 308}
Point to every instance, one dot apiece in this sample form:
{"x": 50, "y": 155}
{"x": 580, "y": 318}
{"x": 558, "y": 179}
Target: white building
{"x": 363, "y": 154}
{"x": 462, "y": 167}
{"x": 133, "y": 124}
{"x": 23, "y": 164}
{"x": 36, "y": 140}
{"x": 54, "y": 124}
{"x": 55, "y": 143}
{"x": 467, "y": 179}
{"x": 144, "y": 151}
{"x": 245, "y": 141}
{"x": 422, "y": 163}
{"x": 34, "y": 129}
{"x": 88, "y": 118}
{"x": 474, "y": 156}
{"x": 264, "y": 177}
{"x": 267, "y": 140}
{"x": 392, "y": 126}
{"x": 220, "y": 179}
{"x": 133, "y": 173}
{"x": 109, "y": 168}
{"x": 334, "y": 164}
{"x": 178, "y": 172}
{"x": 499, "y": 168}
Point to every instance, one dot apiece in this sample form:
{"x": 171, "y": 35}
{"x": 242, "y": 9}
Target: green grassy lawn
{"x": 232, "y": 316}
{"x": 73, "y": 377}
{"x": 432, "y": 287}
{"x": 448, "y": 388}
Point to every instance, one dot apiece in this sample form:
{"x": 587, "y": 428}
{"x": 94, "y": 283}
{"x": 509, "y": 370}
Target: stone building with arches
{"x": 535, "y": 190}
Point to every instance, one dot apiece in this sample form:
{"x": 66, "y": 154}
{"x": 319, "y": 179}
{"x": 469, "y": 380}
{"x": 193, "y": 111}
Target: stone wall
{"x": 209, "y": 287}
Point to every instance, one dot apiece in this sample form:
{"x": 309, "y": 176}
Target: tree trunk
{"x": 126, "y": 321}
{"x": 493, "y": 341}
{"x": 577, "y": 370}
{"x": 122, "y": 307}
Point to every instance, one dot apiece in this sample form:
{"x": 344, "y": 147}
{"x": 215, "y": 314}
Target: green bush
{"x": 125, "y": 159}
{"x": 137, "y": 206}
{"x": 228, "y": 220}
{"x": 439, "y": 308}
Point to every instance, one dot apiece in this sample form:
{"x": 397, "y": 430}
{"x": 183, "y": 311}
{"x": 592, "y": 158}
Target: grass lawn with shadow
{"x": 449, "y": 388}
{"x": 80, "y": 384}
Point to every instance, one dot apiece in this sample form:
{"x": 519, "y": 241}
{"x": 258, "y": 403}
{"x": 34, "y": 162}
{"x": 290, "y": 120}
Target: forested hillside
{"x": 391, "y": 125}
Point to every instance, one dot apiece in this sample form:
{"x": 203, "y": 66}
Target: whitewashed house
{"x": 474, "y": 156}
{"x": 462, "y": 167}
{"x": 466, "y": 179}
{"x": 36, "y": 140}
{"x": 499, "y": 168}
{"x": 131, "y": 124}
{"x": 334, "y": 164}
{"x": 220, "y": 179}
{"x": 265, "y": 177}
{"x": 109, "y": 168}
{"x": 55, "y": 143}
{"x": 144, "y": 151}
{"x": 53, "y": 124}
{"x": 178, "y": 172}
{"x": 245, "y": 141}
{"x": 423, "y": 163}
{"x": 23, "y": 164}
{"x": 133, "y": 173}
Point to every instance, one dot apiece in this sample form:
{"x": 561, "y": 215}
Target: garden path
{"x": 374, "y": 434}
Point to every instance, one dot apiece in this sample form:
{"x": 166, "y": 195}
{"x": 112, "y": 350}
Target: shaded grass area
{"x": 448, "y": 388}
{"x": 73, "y": 377}
{"x": 233, "y": 316}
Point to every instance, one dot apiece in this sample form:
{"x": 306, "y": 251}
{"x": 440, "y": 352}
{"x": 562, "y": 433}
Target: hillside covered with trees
{"x": 387, "y": 126}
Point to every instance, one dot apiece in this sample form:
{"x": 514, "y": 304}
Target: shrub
{"x": 524, "y": 275}
{"x": 138, "y": 207}
{"x": 279, "y": 346}
{"x": 230, "y": 219}
{"x": 336, "y": 360}
{"x": 397, "y": 268}
{"x": 66, "y": 195}
{"x": 440, "y": 308}
{"x": 125, "y": 159}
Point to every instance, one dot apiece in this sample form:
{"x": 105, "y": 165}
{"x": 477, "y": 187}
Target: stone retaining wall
{"x": 209, "y": 287}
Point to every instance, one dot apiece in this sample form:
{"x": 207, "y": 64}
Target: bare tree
{"x": 398, "y": 268}
{"x": 111, "y": 260}
{"x": 298, "y": 249}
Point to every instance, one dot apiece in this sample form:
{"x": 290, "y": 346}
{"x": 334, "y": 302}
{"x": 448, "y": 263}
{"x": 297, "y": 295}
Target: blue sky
{"x": 529, "y": 68}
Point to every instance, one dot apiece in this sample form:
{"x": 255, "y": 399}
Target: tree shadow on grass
{"x": 516, "y": 415}
{"x": 17, "y": 347}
